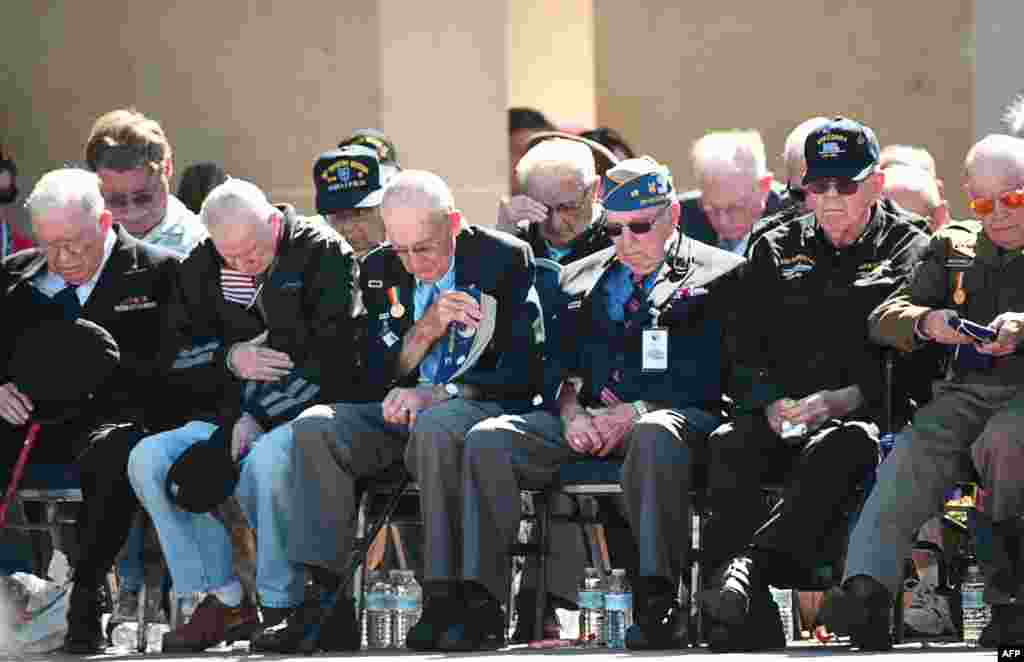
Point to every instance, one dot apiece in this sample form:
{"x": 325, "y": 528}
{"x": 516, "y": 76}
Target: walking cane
{"x": 308, "y": 645}
{"x": 19, "y": 470}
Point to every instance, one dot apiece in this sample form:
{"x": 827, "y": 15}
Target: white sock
{"x": 230, "y": 594}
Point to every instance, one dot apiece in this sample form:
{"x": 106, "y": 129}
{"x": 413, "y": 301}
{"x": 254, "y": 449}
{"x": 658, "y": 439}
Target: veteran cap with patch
{"x": 842, "y": 149}
{"x": 377, "y": 141}
{"x": 634, "y": 184}
{"x": 349, "y": 178}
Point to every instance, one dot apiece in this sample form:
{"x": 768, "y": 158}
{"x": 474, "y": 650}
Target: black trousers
{"x": 109, "y": 503}
{"x": 820, "y": 477}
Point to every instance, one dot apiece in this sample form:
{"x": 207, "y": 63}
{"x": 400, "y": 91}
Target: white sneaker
{"x": 928, "y": 612}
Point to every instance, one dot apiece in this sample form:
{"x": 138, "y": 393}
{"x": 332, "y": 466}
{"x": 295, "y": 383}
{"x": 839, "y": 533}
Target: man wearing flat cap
{"x": 86, "y": 267}
{"x": 640, "y": 365}
{"x": 266, "y": 319}
{"x": 349, "y": 185}
{"x": 808, "y": 385}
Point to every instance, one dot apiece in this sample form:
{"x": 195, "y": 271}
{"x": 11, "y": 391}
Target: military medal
{"x": 397, "y": 309}
{"x": 960, "y": 294}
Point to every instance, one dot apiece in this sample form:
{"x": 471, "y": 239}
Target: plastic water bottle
{"x": 975, "y": 611}
{"x": 591, "y": 602}
{"x": 618, "y": 609}
{"x": 783, "y": 597}
{"x": 380, "y": 600}
{"x": 125, "y": 636}
{"x": 408, "y": 605}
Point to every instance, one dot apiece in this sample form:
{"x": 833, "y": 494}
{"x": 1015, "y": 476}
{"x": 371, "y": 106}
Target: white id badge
{"x": 655, "y": 350}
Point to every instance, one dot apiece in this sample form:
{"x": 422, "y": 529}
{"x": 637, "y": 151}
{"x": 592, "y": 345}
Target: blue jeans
{"x": 196, "y": 546}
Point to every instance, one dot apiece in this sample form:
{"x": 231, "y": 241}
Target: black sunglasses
{"x": 635, "y": 227}
{"x": 843, "y": 186}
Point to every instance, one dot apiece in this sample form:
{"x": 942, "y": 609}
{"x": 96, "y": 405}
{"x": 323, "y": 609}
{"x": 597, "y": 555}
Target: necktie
{"x": 68, "y": 300}
{"x": 432, "y": 361}
{"x": 635, "y": 300}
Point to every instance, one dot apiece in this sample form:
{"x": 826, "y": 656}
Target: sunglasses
{"x": 842, "y": 186}
{"x": 123, "y": 200}
{"x": 985, "y": 206}
{"x": 635, "y": 227}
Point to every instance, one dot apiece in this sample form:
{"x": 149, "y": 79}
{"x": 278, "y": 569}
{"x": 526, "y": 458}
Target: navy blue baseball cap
{"x": 840, "y": 149}
{"x": 349, "y": 178}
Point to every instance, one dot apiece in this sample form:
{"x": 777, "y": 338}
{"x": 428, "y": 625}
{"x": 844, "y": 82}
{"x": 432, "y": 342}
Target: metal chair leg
{"x": 542, "y": 508}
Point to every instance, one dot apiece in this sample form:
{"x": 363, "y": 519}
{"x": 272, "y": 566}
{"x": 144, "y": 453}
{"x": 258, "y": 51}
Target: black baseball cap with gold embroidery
{"x": 840, "y": 149}
{"x": 377, "y": 141}
{"x": 349, "y": 178}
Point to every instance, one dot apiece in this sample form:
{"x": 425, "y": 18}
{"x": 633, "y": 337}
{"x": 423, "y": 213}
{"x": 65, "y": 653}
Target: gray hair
{"x": 793, "y": 158}
{"x": 1014, "y": 116}
{"x": 558, "y": 157}
{"x": 60, "y": 189}
{"x": 234, "y": 201}
{"x": 908, "y": 155}
{"x": 914, "y": 180}
{"x": 729, "y": 152}
{"x": 417, "y": 189}
{"x": 999, "y": 150}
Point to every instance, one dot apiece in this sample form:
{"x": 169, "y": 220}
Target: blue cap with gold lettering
{"x": 635, "y": 184}
{"x": 840, "y": 149}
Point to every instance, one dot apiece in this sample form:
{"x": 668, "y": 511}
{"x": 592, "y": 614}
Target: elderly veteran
{"x": 972, "y": 271}
{"x": 88, "y": 267}
{"x": 736, "y": 190}
{"x": 641, "y": 349}
{"x": 809, "y": 385}
{"x": 267, "y": 307}
{"x": 132, "y": 156}
{"x": 449, "y": 341}
{"x": 349, "y": 185}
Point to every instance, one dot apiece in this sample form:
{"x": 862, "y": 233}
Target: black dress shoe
{"x": 761, "y": 629}
{"x": 660, "y": 622}
{"x": 339, "y": 633}
{"x": 480, "y": 628}
{"x": 85, "y": 631}
{"x": 861, "y": 607}
{"x": 526, "y": 614}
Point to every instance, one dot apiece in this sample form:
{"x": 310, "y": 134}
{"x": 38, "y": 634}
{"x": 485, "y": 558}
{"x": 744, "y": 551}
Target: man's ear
{"x": 455, "y": 221}
{"x": 168, "y": 169}
{"x": 878, "y": 181}
{"x": 676, "y": 210}
{"x": 764, "y": 184}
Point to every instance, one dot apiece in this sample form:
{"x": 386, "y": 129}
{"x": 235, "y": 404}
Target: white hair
{"x": 729, "y": 152}
{"x": 1014, "y": 116}
{"x": 417, "y": 189}
{"x": 793, "y": 153}
{"x": 907, "y": 155}
{"x": 913, "y": 180}
{"x": 559, "y": 157}
{"x": 236, "y": 200}
{"x": 59, "y": 189}
{"x": 997, "y": 150}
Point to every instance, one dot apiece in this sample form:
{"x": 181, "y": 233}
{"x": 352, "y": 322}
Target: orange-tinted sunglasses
{"x": 985, "y": 206}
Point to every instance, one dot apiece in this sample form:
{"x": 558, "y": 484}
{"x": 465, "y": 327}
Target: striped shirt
{"x": 238, "y": 287}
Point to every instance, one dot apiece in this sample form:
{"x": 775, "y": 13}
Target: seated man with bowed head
{"x": 449, "y": 341}
{"x": 809, "y": 385}
{"x": 972, "y": 271}
{"x": 264, "y": 322}
{"x": 88, "y": 267}
{"x": 641, "y": 360}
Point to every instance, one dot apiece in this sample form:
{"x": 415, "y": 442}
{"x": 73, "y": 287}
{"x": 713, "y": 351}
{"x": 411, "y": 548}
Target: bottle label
{"x": 618, "y": 601}
{"x": 591, "y": 600}
{"x": 407, "y": 603}
{"x": 378, "y": 601}
{"x": 971, "y": 598}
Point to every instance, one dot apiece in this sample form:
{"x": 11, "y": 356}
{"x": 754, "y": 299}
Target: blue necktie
{"x": 68, "y": 300}
{"x": 432, "y": 361}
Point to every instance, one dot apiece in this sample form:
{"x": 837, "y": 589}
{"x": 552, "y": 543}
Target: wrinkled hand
{"x": 402, "y": 405}
{"x": 451, "y": 307}
{"x": 251, "y": 360}
{"x": 519, "y": 208}
{"x": 936, "y": 327}
{"x": 779, "y": 411}
{"x": 1010, "y": 330}
{"x": 244, "y": 435}
{"x": 581, "y": 434}
{"x": 614, "y": 423}
{"x": 15, "y": 406}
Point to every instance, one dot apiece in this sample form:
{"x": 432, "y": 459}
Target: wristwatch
{"x": 452, "y": 390}
{"x": 640, "y": 407}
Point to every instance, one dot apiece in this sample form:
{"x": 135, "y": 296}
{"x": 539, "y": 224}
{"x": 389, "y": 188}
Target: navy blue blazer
{"x": 510, "y": 369}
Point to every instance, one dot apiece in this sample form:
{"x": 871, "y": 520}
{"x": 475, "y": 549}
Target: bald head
{"x": 995, "y": 166}
{"x": 793, "y": 151}
{"x": 421, "y": 223}
{"x": 996, "y": 152}
{"x": 907, "y": 155}
{"x": 553, "y": 162}
{"x": 915, "y": 190}
{"x": 728, "y": 154}
{"x": 235, "y": 201}
{"x": 243, "y": 225}
{"x": 417, "y": 189}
